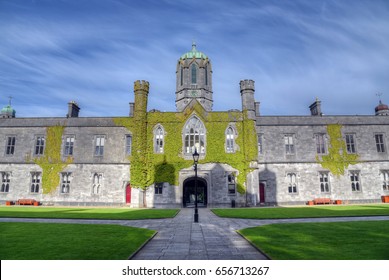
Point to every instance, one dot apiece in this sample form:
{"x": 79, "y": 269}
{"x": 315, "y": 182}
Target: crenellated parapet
{"x": 141, "y": 85}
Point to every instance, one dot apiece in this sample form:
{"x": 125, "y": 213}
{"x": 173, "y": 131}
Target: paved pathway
{"x": 212, "y": 238}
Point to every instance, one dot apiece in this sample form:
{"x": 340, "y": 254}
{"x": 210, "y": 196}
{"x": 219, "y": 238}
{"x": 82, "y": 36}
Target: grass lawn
{"x": 305, "y": 212}
{"x": 41, "y": 241}
{"x": 85, "y": 213}
{"x": 323, "y": 241}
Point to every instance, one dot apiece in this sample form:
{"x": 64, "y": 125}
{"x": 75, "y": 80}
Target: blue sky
{"x": 52, "y": 52}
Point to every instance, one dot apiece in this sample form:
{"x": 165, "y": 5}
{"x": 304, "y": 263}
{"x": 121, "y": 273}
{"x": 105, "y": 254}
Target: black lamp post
{"x": 196, "y": 160}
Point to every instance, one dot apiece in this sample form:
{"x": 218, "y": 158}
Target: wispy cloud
{"x": 56, "y": 51}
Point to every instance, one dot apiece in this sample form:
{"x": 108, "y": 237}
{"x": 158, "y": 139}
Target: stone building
{"x": 145, "y": 159}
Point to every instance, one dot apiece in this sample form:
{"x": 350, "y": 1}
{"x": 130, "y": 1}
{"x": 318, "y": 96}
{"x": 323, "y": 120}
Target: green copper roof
{"x": 194, "y": 53}
{"x": 8, "y": 110}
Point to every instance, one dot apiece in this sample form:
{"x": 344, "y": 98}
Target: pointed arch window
{"x": 96, "y": 184}
{"x": 182, "y": 76}
{"x": 194, "y": 73}
{"x": 159, "y": 139}
{"x": 194, "y": 136}
{"x": 206, "y": 74}
{"x": 230, "y": 140}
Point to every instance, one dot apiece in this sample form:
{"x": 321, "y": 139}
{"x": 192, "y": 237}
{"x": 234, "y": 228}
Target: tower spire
{"x": 10, "y": 100}
{"x": 193, "y": 45}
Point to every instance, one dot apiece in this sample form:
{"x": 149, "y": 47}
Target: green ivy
{"x": 148, "y": 167}
{"x": 337, "y": 160}
{"x": 51, "y": 162}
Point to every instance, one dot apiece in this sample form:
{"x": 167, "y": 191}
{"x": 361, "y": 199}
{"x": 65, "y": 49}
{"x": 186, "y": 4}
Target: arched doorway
{"x": 189, "y": 192}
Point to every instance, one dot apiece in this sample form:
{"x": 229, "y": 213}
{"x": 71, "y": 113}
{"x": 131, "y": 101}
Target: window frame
{"x": 230, "y": 140}
{"x": 385, "y": 180}
{"x": 351, "y": 146}
{"x": 99, "y": 145}
{"x": 68, "y": 148}
{"x": 323, "y": 188}
{"x": 5, "y": 182}
{"x": 10, "y": 147}
{"x": 159, "y": 139}
{"x": 260, "y": 138}
{"x": 96, "y": 186}
{"x": 128, "y": 145}
{"x": 356, "y": 185}
{"x": 193, "y": 73}
{"x": 292, "y": 184}
{"x": 39, "y": 148}
{"x": 289, "y": 144}
{"x": 35, "y": 185}
{"x": 65, "y": 186}
{"x": 321, "y": 143}
{"x": 158, "y": 188}
{"x": 380, "y": 145}
{"x": 231, "y": 183}
{"x": 195, "y": 138}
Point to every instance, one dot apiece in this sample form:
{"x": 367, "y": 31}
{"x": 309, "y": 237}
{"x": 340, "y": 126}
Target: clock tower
{"x": 194, "y": 80}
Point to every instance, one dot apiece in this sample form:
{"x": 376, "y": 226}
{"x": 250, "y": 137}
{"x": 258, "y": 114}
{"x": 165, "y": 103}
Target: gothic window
{"x": 10, "y": 145}
{"x": 181, "y": 75}
{"x": 5, "y": 182}
{"x": 355, "y": 181}
{"x": 324, "y": 182}
{"x": 206, "y": 74}
{"x": 39, "y": 145}
{"x": 99, "y": 145}
{"x": 231, "y": 183}
{"x": 128, "y": 144}
{"x": 260, "y": 144}
{"x": 379, "y": 140}
{"x": 320, "y": 144}
{"x": 158, "y": 140}
{"x": 158, "y": 187}
{"x": 35, "y": 182}
{"x": 69, "y": 144}
{"x": 230, "y": 141}
{"x": 350, "y": 143}
{"x": 194, "y": 73}
{"x": 96, "y": 183}
{"x": 385, "y": 180}
{"x": 194, "y": 136}
{"x": 289, "y": 145}
{"x": 292, "y": 182}
{"x": 65, "y": 182}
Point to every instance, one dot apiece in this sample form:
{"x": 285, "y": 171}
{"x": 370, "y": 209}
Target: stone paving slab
{"x": 213, "y": 238}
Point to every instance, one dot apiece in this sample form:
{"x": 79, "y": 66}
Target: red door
{"x": 128, "y": 193}
{"x": 261, "y": 192}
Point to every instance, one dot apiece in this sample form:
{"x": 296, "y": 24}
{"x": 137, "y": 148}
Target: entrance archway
{"x": 188, "y": 199}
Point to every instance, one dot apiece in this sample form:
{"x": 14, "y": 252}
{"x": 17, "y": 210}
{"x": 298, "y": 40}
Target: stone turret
{"x": 141, "y": 92}
{"x": 247, "y": 90}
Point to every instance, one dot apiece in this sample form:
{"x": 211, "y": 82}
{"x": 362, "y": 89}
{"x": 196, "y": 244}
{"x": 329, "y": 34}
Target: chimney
{"x": 73, "y": 110}
{"x": 316, "y": 108}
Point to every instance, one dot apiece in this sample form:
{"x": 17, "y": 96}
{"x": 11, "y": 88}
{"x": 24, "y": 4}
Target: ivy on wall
{"x": 337, "y": 160}
{"x": 51, "y": 162}
{"x": 148, "y": 167}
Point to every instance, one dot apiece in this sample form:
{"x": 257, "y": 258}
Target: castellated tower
{"x": 194, "y": 80}
{"x": 141, "y": 92}
{"x": 247, "y": 94}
